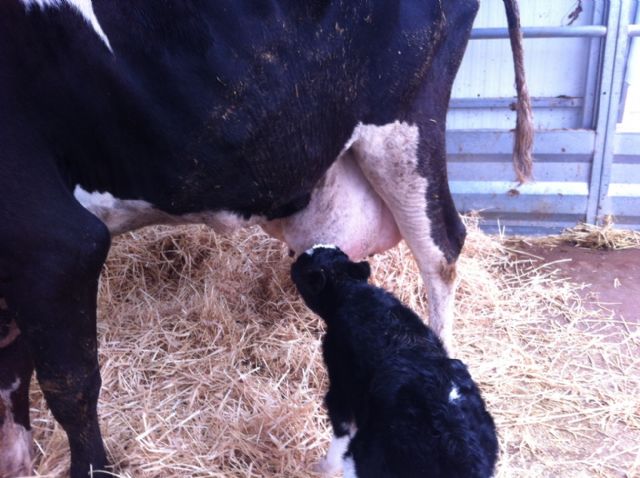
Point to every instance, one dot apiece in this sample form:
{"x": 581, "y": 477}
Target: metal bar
{"x": 613, "y": 71}
{"x": 629, "y": 114}
{"x": 602, "y": 108}
{"x": 596, "y": 45}
{"x": 541, "y": 102}
{"x": 619, "y": 190}
{"x": 477, "y": 142}
{"x": 633, "y": 30}
{"x": 605, "y": 205}
{"x": 537, "y": 188}
{"x": 627, "y": 144}
{"x": 585, "y": 31}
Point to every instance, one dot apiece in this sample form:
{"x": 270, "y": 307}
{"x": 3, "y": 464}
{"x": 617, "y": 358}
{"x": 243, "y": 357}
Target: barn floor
{"x": 211, "y": 365}
{"x": 608, "y": 282}
{"x": 610, "y": 278}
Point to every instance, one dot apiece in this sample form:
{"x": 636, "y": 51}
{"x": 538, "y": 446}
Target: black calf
{"x": 398, "y": 405}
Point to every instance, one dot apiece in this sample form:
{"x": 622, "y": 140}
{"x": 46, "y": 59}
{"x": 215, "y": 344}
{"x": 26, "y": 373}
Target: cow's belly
{"x": 344, "y": 210}
{"x": 123, "y": 215}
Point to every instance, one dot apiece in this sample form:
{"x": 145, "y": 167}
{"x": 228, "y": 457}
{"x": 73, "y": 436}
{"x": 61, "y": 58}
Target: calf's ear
{"x": 359, "y": 270}
{"x": 315, "y": 280}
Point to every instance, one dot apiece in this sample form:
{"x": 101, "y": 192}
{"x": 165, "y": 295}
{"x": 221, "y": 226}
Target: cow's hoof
{"x": 92, "y": 472}
{"x": 99, "y": 468}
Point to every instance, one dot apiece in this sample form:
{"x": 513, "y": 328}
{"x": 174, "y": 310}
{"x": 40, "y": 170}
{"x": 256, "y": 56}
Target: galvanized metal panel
{"x": 481, "y": 178}
{"x": 630, "y": 116}
{"x": 501, "y": 142}
{"x": 593, "y": 69}
{"x": 584, "y": 169}
{"x": 604, "y": 156}
{"x": 556, "y": 67}
{"x": 622, "y": 197}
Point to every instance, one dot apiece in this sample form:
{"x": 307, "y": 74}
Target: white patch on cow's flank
{"x": 94, "y": 199}
{"x": 122, "y": 215}
{"x": 83, "y": 7}
{"x": 16, "y": 453}
{"x": 454, "y": 394}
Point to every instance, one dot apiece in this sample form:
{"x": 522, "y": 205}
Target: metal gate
{"x": 583, "y": 73}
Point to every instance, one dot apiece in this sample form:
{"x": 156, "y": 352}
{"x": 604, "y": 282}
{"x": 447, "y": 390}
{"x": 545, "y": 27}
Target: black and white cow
{"x": 398, "y": 405}
{"x": 322, "y": 120}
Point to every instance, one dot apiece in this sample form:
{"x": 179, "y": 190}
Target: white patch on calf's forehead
{"x": 83, "y": 7}
{"x": 324, "y": 246}
{"x": 312, "y": 249}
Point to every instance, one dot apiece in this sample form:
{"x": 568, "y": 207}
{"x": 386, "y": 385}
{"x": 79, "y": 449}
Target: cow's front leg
{"x": 393, "y": 160}
{"x": 16, "y": 450}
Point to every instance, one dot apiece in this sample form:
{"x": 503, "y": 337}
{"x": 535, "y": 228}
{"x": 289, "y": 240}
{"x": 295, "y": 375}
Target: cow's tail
{"x": 522, "y": 159}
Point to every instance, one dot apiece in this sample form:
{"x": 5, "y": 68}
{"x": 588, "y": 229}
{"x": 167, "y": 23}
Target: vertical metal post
{"x": 612, "y": 66}
{"x": 620, "y": 57}
{"x": 632, "y": 73}
{"x": 591, "y": 84}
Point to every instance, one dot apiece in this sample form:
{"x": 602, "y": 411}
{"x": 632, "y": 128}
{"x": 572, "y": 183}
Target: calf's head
{"x": 322, "y": 274}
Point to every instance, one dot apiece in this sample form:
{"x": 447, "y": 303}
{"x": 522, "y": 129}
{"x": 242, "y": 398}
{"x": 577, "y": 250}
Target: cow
{"x": 321, "y": 120}
{"x": 398, "y": 405}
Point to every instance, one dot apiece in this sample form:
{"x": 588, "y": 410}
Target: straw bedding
{"x": 588, "y": 236}
{"x": 211, "y": 365}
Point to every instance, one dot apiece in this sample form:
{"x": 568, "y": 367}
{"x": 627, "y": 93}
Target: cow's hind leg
{"x": 390, "y": 157}
{"x": 51, "y": 254}
{"x": 16, "y": 451}
{"x": 406, "y": 164}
